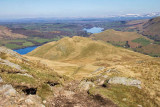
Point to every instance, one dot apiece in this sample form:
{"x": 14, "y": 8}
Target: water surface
{"x": 25, "y": 50}
{"x": 94, "y": 30}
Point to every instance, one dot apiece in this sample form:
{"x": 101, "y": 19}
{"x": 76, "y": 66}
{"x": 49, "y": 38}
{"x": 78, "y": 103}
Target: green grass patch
{"x": 12, "y": 46}
{"x": 19, "y": 79}
{"x": 142, "y": 41}
{"x": 44, "y": 91}
{"x": 124, "y": 96}
{"x": 28, "y": 44}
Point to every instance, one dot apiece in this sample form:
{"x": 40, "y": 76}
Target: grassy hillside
{"x": 120, "y": 38}
{"x": 132, "y": 40}
{"x": 80, "y": 57}
{"x": 24, "y": 74}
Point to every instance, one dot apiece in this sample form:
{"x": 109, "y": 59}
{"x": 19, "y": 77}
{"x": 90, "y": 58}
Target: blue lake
{"x": 94, "y": 30}
{"x": 25, "y": 50}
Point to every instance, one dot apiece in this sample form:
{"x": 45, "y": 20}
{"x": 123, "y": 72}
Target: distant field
{"x": 142, "y": 41}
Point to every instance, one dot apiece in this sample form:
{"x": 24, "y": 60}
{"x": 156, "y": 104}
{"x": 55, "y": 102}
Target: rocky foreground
{"x": 16, "y": 91}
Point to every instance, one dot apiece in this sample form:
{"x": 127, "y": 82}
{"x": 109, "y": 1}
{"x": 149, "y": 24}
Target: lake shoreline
{"x": 26, "y": 49}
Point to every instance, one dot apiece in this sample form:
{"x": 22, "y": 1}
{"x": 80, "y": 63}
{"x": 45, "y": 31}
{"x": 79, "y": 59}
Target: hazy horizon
{"x": 72, "y": 8}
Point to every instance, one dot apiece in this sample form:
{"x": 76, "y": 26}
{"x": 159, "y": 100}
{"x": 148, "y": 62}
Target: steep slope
{"x": 151, "y": 28}
{"x": 109, "y": 62}
{"x": 6, "y": 33}
{"x": 24, "y": 82}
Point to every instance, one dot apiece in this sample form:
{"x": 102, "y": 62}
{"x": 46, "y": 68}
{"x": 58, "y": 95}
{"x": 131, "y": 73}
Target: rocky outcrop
{"x": 9, "y": 97}
{"x": 125, "y": 81}
{"x": 12, "y": 65}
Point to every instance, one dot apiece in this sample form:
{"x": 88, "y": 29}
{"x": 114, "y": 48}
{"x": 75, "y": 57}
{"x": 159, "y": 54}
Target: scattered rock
{"x": 139, "y": 106}
{"x": 86, "y": 85}
{"x": 8, "y": 90}
{"x": 11, "y": 98}
{"x": 29, "y": 102}
{"x": 105, "y": 76}
{"x": 99, "y": 69}
{"x": 125, "y": 81}
{"x": 111, "y": 70}
{"x": 44, "y": 101}
{"x": 101, "y": 80}
{"x": 26, "y": 75}
{"x": 124, "y": 99}
{"x": 34, "y": 100}
{"x": 68, "y": 93}
{"x": 1, "y": 80}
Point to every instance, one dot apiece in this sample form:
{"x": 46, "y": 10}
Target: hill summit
{"x": 80, "y": 48}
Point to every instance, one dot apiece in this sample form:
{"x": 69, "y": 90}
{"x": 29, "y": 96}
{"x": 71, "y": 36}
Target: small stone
{"x": 44, "y": 101}
{"x": 29, "y": 101}
{"x": 105, "y": 76}
{"x": 139, "y": 106}
{"x": 124, "y": 99}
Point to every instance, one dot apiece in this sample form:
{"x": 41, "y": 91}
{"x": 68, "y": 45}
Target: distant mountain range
{"x": 124, "y": 17}
{"x": 154, "y": 14}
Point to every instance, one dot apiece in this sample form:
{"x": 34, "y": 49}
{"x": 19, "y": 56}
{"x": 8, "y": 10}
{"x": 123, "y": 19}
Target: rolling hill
{"x": 78, "y": 48}
{"x": 120, "y": 38}
{"x": 6, "y": 33}
{"x": 132, "y": 40}
{"x": 147, "y": 27}
{"x": 95, "y": 61}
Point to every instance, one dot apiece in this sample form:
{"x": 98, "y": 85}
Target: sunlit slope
{"x": 80, "y": 48}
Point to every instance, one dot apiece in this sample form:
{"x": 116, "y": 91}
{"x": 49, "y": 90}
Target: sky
{"x": 75, "y": 8}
